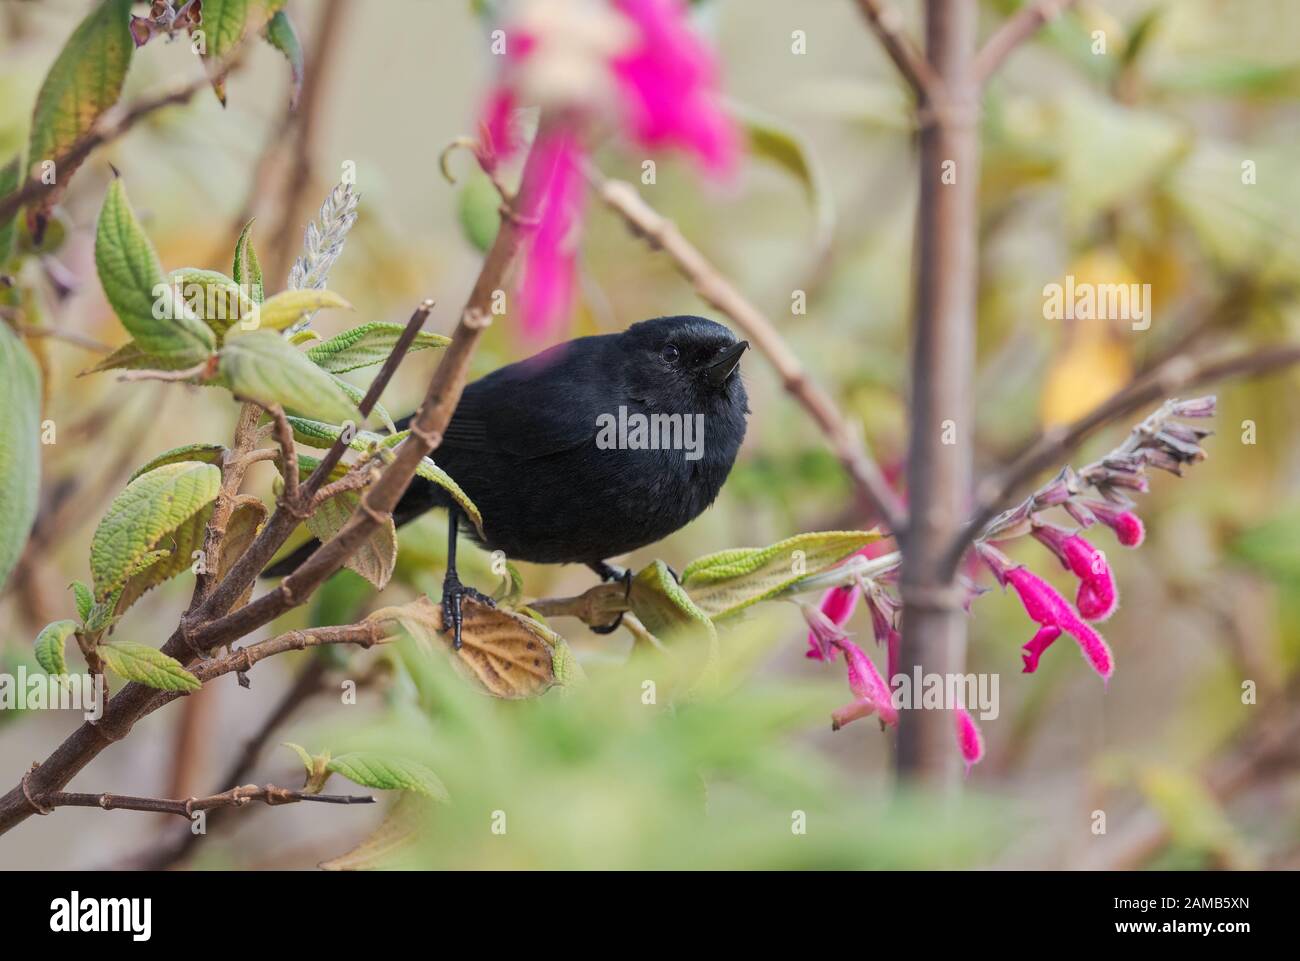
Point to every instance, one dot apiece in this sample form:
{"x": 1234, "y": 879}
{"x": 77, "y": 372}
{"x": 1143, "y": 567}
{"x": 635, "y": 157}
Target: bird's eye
{"x": 671, "y": 354}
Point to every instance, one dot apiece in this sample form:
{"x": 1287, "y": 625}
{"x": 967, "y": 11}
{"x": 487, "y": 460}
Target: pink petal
{"x": 550, "y": 261}
{"x": 1093, "y": 645}
{"x": 1038, "y": 644}
{"x": 969, "y": 738}
{"x": 668, "y": 79}
{"x": 866, "y": 683}
{"x": 823, "y": 634}
{"x": 839, "y": 603}
{"x": 1098, "y": 595}
{"x": 500, "y": 139}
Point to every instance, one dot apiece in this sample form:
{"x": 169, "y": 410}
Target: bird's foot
{"x": 453, "y": 595}
{"x": 609, "y": 572}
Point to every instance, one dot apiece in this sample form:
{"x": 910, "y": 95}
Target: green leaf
{"x": 367, "y": 345}
{"x": 20, "y": 447}
{"x": 375, "y": 558}
{"x": 147, "y": 515}
{"x": 435, "y": 474}
{"x": 148, "y": 666}
{"x": 264, "y": 367}
{"x": 9, "y": 182}
{"x": 1273, "y": 548}
{"x": 225, "y": 25}
{"x": 664, "y": 607}
{"x": 201, "y": 453}
{"x": 84, "y": 81}
{"x": 51, "y": 646}
{"x": 133, "y": 282}
{"x": 247, "y": 268}
{"x": 479, "y": 207}
{"x": 213, "y": 298}
{"x": 356, "y": 395}
{"x": 725, "y": 583}
{"x": 389, "y": 773}
{"x": 130, "y": 356}
{"x": 288, "y": 307}
{"x": 85, "y": 599}
{"x": 317, "y": 767}
{"x": 777, "y": 142}
{"x": 281, "y": 35}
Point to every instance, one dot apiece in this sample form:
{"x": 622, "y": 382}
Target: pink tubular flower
{"x": 1048, "y": 608}
{"x": 1098, "y": 596}
{"x": 1040, "y": 642}
{"x": 870, "y": 689}
{"x": 546, "y": 291}
{"x": 669, "y": 83}
{"x": 969, "y": 738}
{"x": 1126, "y": 525}
{"x": 826, "y": 623}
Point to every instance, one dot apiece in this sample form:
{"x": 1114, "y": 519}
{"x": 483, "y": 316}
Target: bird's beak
{"x": 725, "y": 364}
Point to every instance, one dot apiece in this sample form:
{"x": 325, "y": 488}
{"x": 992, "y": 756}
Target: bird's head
{"x": 685, "y": 364}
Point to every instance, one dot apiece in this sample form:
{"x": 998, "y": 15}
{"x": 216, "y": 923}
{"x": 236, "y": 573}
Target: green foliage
{"x": 153, "y": 512}
{"x": 775, "y": 141}
{"x": 20, "y": 447}
{"x": 247, "y": 268}
{"x": 367, "y": 345}
{"x": 281, "y": 35}
{"x": 478, "y": 206}
{"x": 133, "y": 280}
{"x": 288, "y": 307}
{"x": 388, "y": 773}
{"x": 84, "y": 598}
{"x": 84, "y": 81}
{"x": 375, "y": 558}
{"x": 226, "y": 23}
{"x": 200, "y": 453}
{"x": 51, "y": 645}
{"x": 10, "y": 175}
{"x": 147, "y": 666}
{"x": 264, "y": 367}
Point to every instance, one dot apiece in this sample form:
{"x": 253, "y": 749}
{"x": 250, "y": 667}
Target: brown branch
{"x": 34, "y": 188}
{"x": 210, "y": 625}
{"x": 715, "y": 289}
{"x": 234, "y": 798}
{"x": 1014, "y": 31}
{"x": 887, "y": 25}
{"x": 1049, "y": 449}
{"x": 288, "y": 454}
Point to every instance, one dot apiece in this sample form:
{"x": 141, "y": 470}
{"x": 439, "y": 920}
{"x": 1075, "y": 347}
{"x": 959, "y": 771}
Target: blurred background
{"x": 1123, "y": 167}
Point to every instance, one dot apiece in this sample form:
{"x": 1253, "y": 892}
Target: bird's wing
{"x": 530, "y": 409}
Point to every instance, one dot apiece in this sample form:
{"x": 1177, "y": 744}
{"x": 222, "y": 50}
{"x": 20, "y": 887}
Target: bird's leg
{"x": 453, "y": 591}
{"x": 608, "y": 572}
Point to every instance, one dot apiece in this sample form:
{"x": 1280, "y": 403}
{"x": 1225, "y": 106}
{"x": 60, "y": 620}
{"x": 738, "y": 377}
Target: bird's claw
{"x": 453, "y": 596}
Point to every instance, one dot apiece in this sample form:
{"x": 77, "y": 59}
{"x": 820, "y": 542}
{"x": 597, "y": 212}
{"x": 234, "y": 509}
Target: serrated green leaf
{"x": 388, "y": 773}
{"x": 148, "y": 666}
{"x": 226, "y": 23}
{"x": 200, "y": 453}
{"x": 20, "y": 451}
{"x": 356, "y": 395}
{"x": 84, "y": 81}
{"x": 51, "y": 646}
{"x": 289, "y": 306}
{"x": 147, "y": 515}
{"x": 214, "y": 298}
{"x": 435, "y": 474}
{"x": 303, "y": 754}
{"x": 84, "y": 598}
{"x": 281, "y": 35}
{"x": 367, "y": 345}
{"x": 247, "y": 268}
{"x": 131, "y": 357}
{"x": 264, "y": 367}
{"x": 133, "y": 282}
{"x": 725, "y": 583}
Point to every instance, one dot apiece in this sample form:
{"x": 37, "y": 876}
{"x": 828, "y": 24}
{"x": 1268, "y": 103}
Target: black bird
{"x": 569, "y": 455}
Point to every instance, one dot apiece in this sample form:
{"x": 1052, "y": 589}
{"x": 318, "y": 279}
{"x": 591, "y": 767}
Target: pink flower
{"x": 1126, "y": 525}
{"x": 969, "y": 738}
{"x": 1097, "y": 597}
{"x": 826, "y": 623}
{"x": 1047, "y": 607}
{"x": 549, "y": 262}
{"x": 868, "y": 687}
{"x": 500, "y": 138}
{"x": 1040, "y": 642}
{"x": 669, "y": 83}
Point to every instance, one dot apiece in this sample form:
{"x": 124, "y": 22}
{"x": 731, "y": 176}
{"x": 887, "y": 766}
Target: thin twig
{"x": 235, "y": 797}
{"x": 887, "y": 24}
{"x": 67, "y": 336}
{"x": 715, "y": 289}
{"x": 1014, "y": 31}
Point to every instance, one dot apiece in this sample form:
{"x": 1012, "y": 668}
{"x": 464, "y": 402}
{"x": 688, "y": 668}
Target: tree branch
{"x": 1177, "y": 374}
{"x": 715, "y": 289}
{"x": 1013, "y": 32}
{"x": 887, "y": 25}
{"x": 234, "y": 798}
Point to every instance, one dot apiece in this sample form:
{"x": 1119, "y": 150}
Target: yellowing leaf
{"x": 375, "y": 558}
{"x": 148, "y": 514}
{"x": 288, "y": 307}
